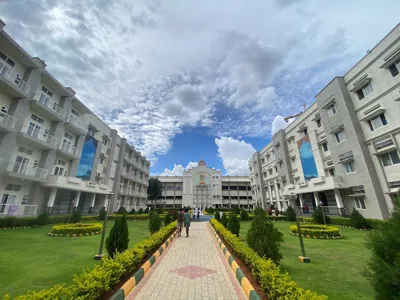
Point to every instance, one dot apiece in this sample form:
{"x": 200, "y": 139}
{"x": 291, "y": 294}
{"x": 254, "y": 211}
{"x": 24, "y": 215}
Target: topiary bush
{"x": 154, "y": 222}
{"x": 133, "y": 211}
{"x": 244, "y": 216}
{"x": 174, "y": 215}
{"x": 75, "y": 217}
{"x": 318, "y": 216}
{"x": 236, "y": 210}
{"x": 224, "y": 220}
{"x": 259, "y": 210}
{"x": 290, "y": 214}
{"x": 118, "y": 239}
{"x": 316, "y": 231}
{"x": 76, "y": 229}
{"x": 234, "y": 224}
{"x": 42, "y": 219}
{"x": 121, "y": 210}
{"x": 102, "y": 214}
{"x": 264, "y": 238}
{"x": 217, "y": 216}
{"x": 141, "y": 211}
{"x": 358, "y": 221}
{"x": 167, "y": 219}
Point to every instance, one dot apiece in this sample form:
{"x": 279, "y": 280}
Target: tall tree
{"x": 154, "y": 190}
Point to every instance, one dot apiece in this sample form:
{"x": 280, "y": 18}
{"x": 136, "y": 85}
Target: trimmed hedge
{"x": 374, "y": 223}
{"x": 93, "y": 283}
{"x": 77, "y": 228}
{"x": 316, "y": 231}
{"x": 278, "y": 286}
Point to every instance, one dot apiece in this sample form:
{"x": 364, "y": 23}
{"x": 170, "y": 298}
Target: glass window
{"x": 349, "y": 168}
{"x": 391, "y": 158}
{"x": 364, "y": 91}
{"x": 318, "y": 123}
{"x": 332, "y": 172}
{"x": 360, "y": 203}
{"x": 340, "y": 136}
{"x": 331, "y": 110}
{"x": 325, "y": 146}
{"x": 394, "y": 70}
{"x": 377, "y": 122}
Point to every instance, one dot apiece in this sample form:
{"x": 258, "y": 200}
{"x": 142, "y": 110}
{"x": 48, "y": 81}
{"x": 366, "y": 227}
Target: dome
{"x": 202, "y": 163}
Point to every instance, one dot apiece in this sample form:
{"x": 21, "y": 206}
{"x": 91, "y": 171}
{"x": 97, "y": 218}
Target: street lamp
{"x": 323, "y": 213}
{"x": 100, "y": 255}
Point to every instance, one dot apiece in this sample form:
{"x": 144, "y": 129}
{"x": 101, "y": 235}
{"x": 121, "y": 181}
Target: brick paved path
{"x": 191, "y": 268}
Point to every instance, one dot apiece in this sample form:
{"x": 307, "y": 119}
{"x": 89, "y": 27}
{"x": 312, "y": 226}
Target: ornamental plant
{"x": 217, "y": 216}
{"x": 154, "y": 222}
{"x": 358, "y": 221}
{"x": 290, "y": 214}
{"x": 43, "y": 219}
{"x": 75, "y": 217}
{"x": 236, "y": 210}
{"x": 318, "y": 217}
{"x": 102, "y": 214}
{"x": 174, "y": 216}
{"x": 167, "y": 219}
{"x": 224, "y": 220}
{"x": 141, "y": 211}
{"x": 118, "y": 239}
{"x": 132, "y": 212}
{"x": 122, "y": 210}
{"x": 244, "y": 216}
{"x": 234, "y": 224}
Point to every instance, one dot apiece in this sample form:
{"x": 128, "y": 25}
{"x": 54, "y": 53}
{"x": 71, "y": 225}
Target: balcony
{"x": 18, "y": 210}
{"x": 11, "y": 83}
{"x": 48, "y": 108}
{"x": 124, "y": 191}
{"x": 21, "y": 171}
{"x": 75, "y": 125}
{"x": 39, "y": 138}
{"x": 125, "y": 174}
{"x": 77, "y": 184}
{"x": 347, "y": 156}
{"x": 128, "y": 159}
{"x": 7, "y": 122}
{"x": 70, "y": 151}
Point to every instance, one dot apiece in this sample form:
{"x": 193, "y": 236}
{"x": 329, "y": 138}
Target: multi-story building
{"x": 203, "y": 187}
{"x": 55, "y": 153}
{"x": 343, "y": 151}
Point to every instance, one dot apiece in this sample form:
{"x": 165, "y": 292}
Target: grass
{"x": 336, "y": 265}
{"x": 32, "y": 260}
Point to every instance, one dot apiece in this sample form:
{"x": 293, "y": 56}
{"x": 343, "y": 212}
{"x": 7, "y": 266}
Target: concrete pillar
{"x": 338, "y": 198}
{"x": 52, "y": 198}
{"x": 301, "y": 200}
{"x": 76, "y": 200}
{"x": 92, "y": 203}
{"x": 316, "y": 198}
{"x": 278, "y": 197}
{"x": 270, "y": 194}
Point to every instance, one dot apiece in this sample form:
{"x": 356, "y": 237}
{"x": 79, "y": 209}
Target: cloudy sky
{"x": 188, "y": 80}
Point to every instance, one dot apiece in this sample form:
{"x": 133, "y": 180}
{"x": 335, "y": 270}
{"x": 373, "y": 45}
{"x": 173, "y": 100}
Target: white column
{"x": 52, "y": 198}
{"x": 105, "y": 203}
{"x": 93, "y": 200}
{"x": 76, "y": 200}
{"x": 270, "y": 194}
{"x": 278, "y": 196}
{"x": 338, "y": 198}
{"x": 316, "y": 198}
{"x": 301, "y": 200}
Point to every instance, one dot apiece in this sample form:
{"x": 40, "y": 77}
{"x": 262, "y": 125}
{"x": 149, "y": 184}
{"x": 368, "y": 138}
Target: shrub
{"x": 146, "y": 210}
{"x": 174, "y": 215}
{"x": 234, "y": 224}
{"x": 75, "y": 217}
{"x": 290, "y": 214}
{"x": 42, "y": 219}
{"x": 340, "y": 221}
{"x": 167, "y": 219}
{"x": 59, "y": 291}
{"x": 118, "y": 239}
{"x": 244, "y": 216}
{"x": 264, "y": 238}
{"x": 358, "y": 221}
{"x": 217, "y": 216}
{"x": 132, "y": 212}
{"x": 141, "y": 211}
{"x": 259, "y": 210}
{"x": 76, "y": 228}
{"x": 236, "y": 209}
{"x": 154, "y": 222}
{"x": 276, "y": 284}
{"x": 318, "y": 216}
{"x": 121, "y": 210}
{"x": 383, "y": 267}
{"x": 316, "y": 231}
{"x": 160, "y": 210}
{"x": 102, "y": 214}
{"x": 224, "y": 220}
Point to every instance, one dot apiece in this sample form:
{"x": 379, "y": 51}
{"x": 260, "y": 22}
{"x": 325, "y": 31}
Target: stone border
{"x": 74, "y": 234}
{"x": 133, "y": 281}
{"x": 245, "y": 284}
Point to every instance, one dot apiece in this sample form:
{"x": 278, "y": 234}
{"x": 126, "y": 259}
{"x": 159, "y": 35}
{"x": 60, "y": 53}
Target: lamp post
{"x": 303, "y": 258}
{"x": 323, "y": 213}
{"x": 100, "y": 255}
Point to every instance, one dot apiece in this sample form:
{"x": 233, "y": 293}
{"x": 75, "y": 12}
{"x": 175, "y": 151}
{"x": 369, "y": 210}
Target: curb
{"x": 133, "y": 281}
{"x": 245, "y": 284}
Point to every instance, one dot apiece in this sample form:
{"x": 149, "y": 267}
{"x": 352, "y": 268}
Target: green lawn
{"x": 32, "y": 260}
{"x": 336, "y": 265}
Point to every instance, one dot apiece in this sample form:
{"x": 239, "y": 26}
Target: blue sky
{"x": 186, "y": 80}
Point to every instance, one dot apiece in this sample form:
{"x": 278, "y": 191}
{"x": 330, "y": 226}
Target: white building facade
{"x": 56, "y": 155}
{"x": 204, "y": 187}
{"x": 343, "y": 151}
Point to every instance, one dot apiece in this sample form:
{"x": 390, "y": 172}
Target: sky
{"x": 189, "y": 80}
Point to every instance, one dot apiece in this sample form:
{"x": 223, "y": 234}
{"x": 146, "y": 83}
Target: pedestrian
{"x": 180, "y": 221}
{"x": 186, "y": 221}
{"x": 305, "y": 208}
{"x": 190, "y": 212}
{"x": 198, "y": 215}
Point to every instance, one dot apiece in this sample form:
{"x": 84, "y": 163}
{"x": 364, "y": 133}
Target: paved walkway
{"x": 191, "y": 268}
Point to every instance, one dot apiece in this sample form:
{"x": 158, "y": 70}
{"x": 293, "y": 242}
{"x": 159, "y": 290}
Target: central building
{"x": 203, "y": 187}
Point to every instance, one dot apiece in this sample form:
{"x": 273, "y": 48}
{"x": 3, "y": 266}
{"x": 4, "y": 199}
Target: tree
{"x": 174, "y": 216}
{"x": 43, "y": 219}
{"x": 383, "y": 268}
{"x": 236, "y": 209}
{"x": 122, "y": 210}
{"x": 244, "y": 216}
{"x": 217, "y": 216}
{"x": 167, "y": 219}
{"x": 140, "y": 211}
{"x": 290, "y": 214}
{"x": 224, "y": 220}
{"x": 154, "y": 222}
{"x": 318, "y": 216}
{"x": 132, "y": 212}
{"x": 154, "y": 190}
{"x": 358, "y": 221}
{"x": 102, "y": 214}
{"x": 234, "y": 224}
{"x": 118, "y": 239}
{"x": 75, "y": 217}
{"x": 264, "y": 238}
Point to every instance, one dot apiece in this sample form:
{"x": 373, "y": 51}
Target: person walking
{"x": 180, "y": 221}
{"x": 186, "y": 221}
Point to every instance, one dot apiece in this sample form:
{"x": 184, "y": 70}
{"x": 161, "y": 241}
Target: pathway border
{"x": 133, "y": 281}
{"x": 245, "y": 284}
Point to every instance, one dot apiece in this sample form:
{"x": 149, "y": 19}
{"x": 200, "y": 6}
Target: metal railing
{"x": 7, "y": 121}
{"x": 75, "y": 122}
{"x": 328, "y": 210}
{"x": 13, "y": 78}
{"x": 27, "y": 170}
{"x": 46, "y": 102}
{"x": 18, "y": 210}
{"x": 70, "y": 149}
{"x": 40, "y": 135}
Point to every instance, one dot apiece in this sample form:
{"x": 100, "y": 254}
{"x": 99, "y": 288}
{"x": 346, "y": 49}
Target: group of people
{"x": 185, "y": 216}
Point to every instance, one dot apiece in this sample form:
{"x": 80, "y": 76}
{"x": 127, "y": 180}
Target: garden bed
{"x": 316, "y": 231}
{"x": 78, "y": 229}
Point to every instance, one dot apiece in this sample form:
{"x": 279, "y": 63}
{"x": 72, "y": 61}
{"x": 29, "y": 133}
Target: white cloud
{"x": 178, "y": 170}
{"x": 234, "y": 155}
{"x": 279, "y": 123}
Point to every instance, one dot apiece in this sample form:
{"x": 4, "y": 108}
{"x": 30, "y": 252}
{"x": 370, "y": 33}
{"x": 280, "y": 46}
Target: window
{"x": 270, "y": 171}
{"x": 9, "y": 61}
{"x": 377, "y": 122}
{"x": 349, "y": 167}
{"x": 391, "y": 158}
{"x": 304, "y": 132}
{"x": 91, "y": 132}
{"x": 112, "y": 178}
{"x": 277, "y": 147}
{"x": 276, "y": 169}
{"x": 325, "y": 146}
{"x": 24, "y": 200}
{"x": 267, "y": 156}
{"x": 332, "y": 172}
{"x": 394, "y": 68}
{"x": 265, "y": 174}
{"x": 118, "y": 145}
{"x": 13, "y": 187}
{"x": 280, "y": 164}
{"x": 37, "y": 119}
{"x": 360, "y": 204}
{"x": 263, "y": 160}
{"x": 331, "y": 110}
{"x": 58, "y": 171}
{"x": 46, "y": 92}
{"x": 364, "y": 91}
{"x": 318, "y": 123}
{"x": 74, "y": 112}
{"x": 115, "y": 161}
{"x": 340, "y": 136}
{"x": 105, "y": 142}
{"x": 101, "y": 160}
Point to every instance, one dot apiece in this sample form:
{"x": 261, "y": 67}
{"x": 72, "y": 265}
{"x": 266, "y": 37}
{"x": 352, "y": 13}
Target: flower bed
{"x": 78, "y": 229}
{"x": 316, "y": 231}
{"x": 268, "y": 275}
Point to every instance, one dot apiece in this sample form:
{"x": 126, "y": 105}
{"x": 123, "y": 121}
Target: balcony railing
{"x": 18, "y": 210}
{"x": 7, "y": 121}
{"x": 13, "y": 78}
{"x": 75, "y": 122}
{"x": 70, "y": 149}
{"x": 46, "y": 102}
{"x": 40, "y": 135}
{"x": 27, "y": 170}
{"x": 346, "y": 156}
